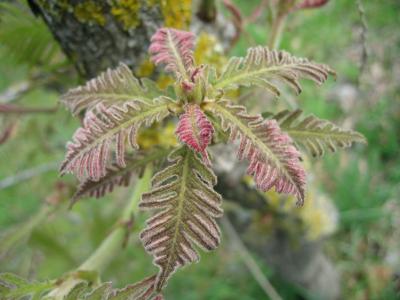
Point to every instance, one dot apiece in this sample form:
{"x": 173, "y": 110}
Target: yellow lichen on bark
{"x": 126, "y": 12}
{"x": 90, "y": 11}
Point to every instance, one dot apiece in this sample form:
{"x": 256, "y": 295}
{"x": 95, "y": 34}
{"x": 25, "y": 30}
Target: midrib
{"x": 121, "y": 126}
{"x": 255, "y": 139}
{"x": 180, "y": 207}
{"x": 235, "y": 78}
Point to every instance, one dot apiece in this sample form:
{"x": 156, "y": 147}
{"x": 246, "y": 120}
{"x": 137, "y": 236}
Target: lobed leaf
{"x": 88, "y": 153}
{"x": 195, "y": 130}
{"x": 314, "y": 134}
{"x": 174, "y": 48}
{"x": 118, "y": 176}
{"x": 184, "y": 193}
{"x": 110, "y": 87}
{"x": 262, "y": 65}
{"x": 273, "y": 160}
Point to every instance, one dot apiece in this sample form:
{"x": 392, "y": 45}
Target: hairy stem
{"x": 113, "y": 242}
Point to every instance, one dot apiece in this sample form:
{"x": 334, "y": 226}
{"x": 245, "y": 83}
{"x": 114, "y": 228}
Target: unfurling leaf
{"x": 314, "y": 134}
{"x": 261, "y": 66}
{"x": 195, "y": 130}
{"x": 174, "y": 48}
{"x": 184, "y": 193}
{"x": 110, "y": 87}
{"x": 273, "y": 160}
{"x": 88, "y": 154}
{"x": 118, "y": 176}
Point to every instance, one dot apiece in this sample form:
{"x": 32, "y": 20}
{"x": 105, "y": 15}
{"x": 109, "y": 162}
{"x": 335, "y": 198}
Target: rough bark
{"x": 94, "y": 38}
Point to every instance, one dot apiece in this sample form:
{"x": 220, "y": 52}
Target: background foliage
{"x": 363, "y": 183}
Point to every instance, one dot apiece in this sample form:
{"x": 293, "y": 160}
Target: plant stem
{"x": 114, "y": 241}
{"x": 249, "y": 261}
{"x": 110, "y": 246}
{"x": 276, "y": 32}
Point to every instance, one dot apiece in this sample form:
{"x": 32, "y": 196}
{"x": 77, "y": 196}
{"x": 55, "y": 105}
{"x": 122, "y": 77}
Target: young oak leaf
{"x": 315, "y": 134}
{"x": 88, "y": 153}
{"x": 118, "y": 176}
{"x": 262, "y": 65}
{"x": 183, "y": 192}
{"x": 174, "y": 48}
{"x": 110, "y": 87}
{"x": 195, "y": 130}
{"x": 273, "y": 160}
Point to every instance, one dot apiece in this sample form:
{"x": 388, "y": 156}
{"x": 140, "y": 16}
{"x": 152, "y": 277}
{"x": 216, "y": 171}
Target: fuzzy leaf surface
{"x": 118, "y": 176}
{"x": 110, "y": 87}
{"x": 273, "y": 160}
{"x": 195, "y": 130}
{"x": 261, "y": 66}
{"x": 107, "y": 127}
{"x": 314, "y": 134}
{"x": 174, "y": 49}
{"x": 183, "y": 193}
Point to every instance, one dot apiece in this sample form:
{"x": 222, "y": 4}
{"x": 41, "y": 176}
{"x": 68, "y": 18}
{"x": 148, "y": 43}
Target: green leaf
{"x": 15, "y": 287}
{"x": 77, "y": 291}
{"x": 314, "y": 134}
{"x": 25, "y": 37}
{"x": 111, "y": 87}
{"x": 261, "y": 66}
{"x": 100, "y": 293}
{"x": 183, "y": 192}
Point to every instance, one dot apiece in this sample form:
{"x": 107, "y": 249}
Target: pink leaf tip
{"x": 195, "y": 130}
{"x": 174, "y": 48}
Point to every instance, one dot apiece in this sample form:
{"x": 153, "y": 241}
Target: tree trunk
{"x": 97, "y": 35}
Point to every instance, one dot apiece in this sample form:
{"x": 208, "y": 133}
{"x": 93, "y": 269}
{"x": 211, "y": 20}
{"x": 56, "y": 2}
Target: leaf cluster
{"x": 105, "y": 151}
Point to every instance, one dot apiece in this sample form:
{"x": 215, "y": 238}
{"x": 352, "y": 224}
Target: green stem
{"x": 276, "y": 32}
{"x": 114, "y": 241}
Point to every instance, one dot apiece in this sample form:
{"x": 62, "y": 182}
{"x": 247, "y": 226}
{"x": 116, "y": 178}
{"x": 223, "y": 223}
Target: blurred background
{"x": 343, "y": 244}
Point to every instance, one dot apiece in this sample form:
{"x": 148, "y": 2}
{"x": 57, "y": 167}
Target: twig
{"x": 257, "y": 12}
{"x": 236, "y": 19}
{"x": 15, "y": 91}
{"x": 364, "y": 32}
{"x": 249, "y": 261}
{"x": 16, "y": 109}
{"x": 27, "y": 174}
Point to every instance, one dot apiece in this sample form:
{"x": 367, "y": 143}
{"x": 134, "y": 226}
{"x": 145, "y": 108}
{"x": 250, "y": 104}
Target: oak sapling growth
{"x": 104, "y": 151}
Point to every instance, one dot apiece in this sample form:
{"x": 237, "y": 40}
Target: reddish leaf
{"x": 174, "y": 48}
{"x": 195, "y": 130}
